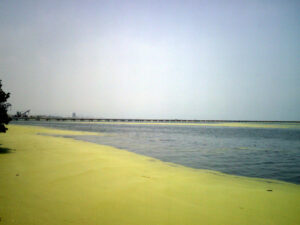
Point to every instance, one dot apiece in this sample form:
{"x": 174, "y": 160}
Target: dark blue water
{"x": 255, "y": 152}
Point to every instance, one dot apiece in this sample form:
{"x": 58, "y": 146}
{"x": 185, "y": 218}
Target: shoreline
{"x": 56, "y": 180}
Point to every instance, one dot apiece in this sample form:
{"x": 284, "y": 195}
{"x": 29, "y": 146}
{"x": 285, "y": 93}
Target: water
{"x": 255, "y": 152}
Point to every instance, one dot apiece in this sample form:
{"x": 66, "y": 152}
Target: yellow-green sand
{"x": 56, "y": 180}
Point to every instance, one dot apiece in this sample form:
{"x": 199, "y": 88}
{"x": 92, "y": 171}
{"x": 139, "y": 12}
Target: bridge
{"x": 83, "y": 119}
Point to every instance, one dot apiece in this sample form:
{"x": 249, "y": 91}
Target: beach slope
{"x": 48, "y": 179}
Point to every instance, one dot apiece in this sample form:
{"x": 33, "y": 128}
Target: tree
{"x": 4, "y": 118}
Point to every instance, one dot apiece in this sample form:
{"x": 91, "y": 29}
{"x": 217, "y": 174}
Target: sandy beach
{"x": 54, "y": 180}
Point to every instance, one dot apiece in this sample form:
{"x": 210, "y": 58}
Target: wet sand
{"x": 55, "y": 180}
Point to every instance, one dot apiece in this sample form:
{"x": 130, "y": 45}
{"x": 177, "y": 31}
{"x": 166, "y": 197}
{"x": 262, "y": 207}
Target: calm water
{"x": 254, "y": 152}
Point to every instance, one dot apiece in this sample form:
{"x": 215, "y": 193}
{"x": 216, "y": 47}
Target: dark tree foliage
{"x": 4, "y": 118}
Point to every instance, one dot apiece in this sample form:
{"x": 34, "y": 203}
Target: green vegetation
{"x": 4, "y": 118}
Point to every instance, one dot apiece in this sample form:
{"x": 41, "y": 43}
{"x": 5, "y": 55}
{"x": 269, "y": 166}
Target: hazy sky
{"x": 153, "y": 59}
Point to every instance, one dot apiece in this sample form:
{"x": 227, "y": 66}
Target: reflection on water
{"x": 256, "y": 152}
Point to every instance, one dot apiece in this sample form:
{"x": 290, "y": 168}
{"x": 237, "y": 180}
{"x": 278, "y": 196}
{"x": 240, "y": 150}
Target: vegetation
{"x": 4, "y": 118}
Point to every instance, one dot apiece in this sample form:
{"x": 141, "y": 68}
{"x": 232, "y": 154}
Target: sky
{"x": 227, "y": 60}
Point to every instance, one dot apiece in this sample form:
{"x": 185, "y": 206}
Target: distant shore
{"x": 54, "y": 180}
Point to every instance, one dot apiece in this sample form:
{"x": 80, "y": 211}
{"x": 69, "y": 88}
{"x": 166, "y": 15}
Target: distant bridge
{"x": 51, "y": 118}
